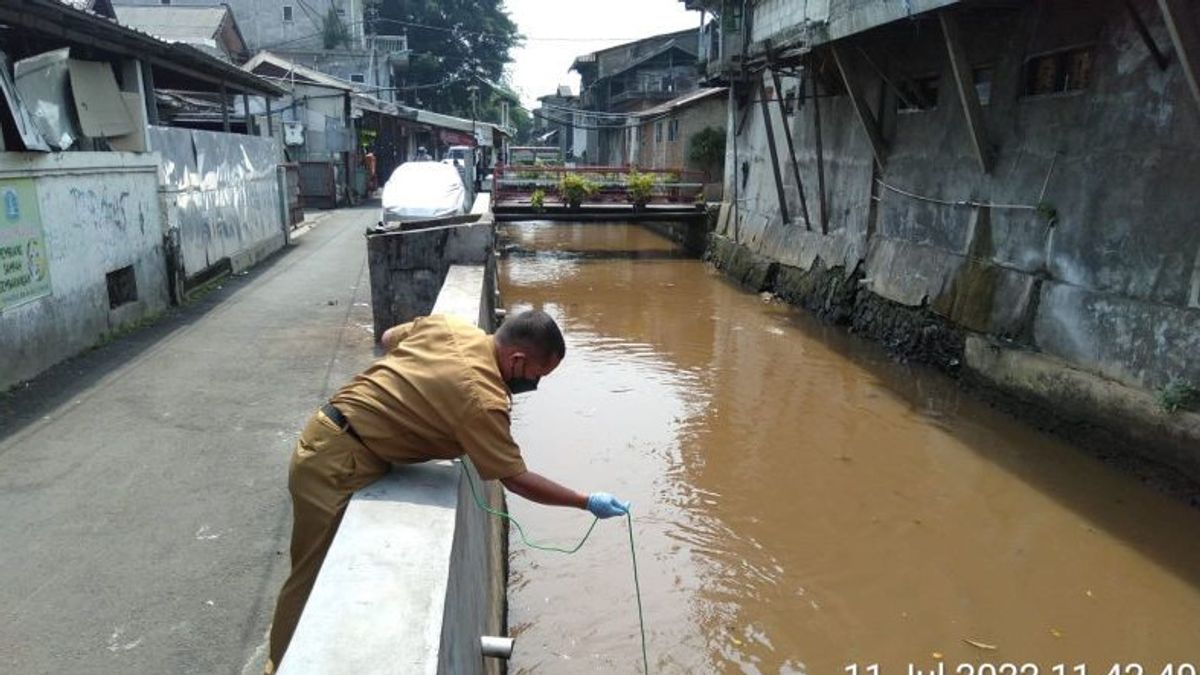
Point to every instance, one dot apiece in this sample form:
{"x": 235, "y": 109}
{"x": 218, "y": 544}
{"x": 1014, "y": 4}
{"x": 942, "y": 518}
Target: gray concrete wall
{"x": 1109, "y": 286}
{"x": 99, "y": 212}
{"x": 416, "y": 573}
{"x": 408, "y": 268}
{"x": 222, "y": 197}
{"x": 263, "y": 27}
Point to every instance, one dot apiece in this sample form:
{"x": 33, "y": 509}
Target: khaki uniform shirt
{"x": 437, "y": 395}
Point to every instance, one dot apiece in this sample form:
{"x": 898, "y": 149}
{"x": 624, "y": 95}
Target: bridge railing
{"x": 515, "y": 184}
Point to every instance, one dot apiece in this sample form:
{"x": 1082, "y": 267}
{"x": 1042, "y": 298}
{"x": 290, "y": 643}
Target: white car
{"x": 423, "y": 190}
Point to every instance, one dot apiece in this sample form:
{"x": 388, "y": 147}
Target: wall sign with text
{"x": 24, "y": 261}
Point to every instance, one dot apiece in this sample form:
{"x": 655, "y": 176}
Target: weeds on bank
{"x": 131, "y": 327}
{"x": 1177, "y": 395}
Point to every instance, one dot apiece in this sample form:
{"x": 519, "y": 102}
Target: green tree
{"x": 452, "y": 44}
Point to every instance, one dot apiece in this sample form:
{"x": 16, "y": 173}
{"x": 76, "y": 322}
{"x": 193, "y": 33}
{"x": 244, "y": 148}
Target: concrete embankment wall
{"x": 96, "y": 214}
{"x": 1084, "y": 298}
{"x": 417, "y": 571}
{"x": 223, "y": 198}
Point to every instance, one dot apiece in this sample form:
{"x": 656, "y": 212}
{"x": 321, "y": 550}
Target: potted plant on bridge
{"x": 575, "y": 188}
{"x": 640, "y": 186}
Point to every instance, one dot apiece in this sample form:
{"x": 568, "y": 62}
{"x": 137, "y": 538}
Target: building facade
{"x": 303, "y": 33}
{"x": 629, "y": 78}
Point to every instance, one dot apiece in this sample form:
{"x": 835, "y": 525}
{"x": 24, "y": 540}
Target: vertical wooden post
{"x": 1140, "y": 24}
{"x": 865, "y": 117}
{"x": 148, "y": 93}
{"x": 246, "y": 112}
{"x": 766, "y": 114}
{"x": 816, "y": 106}
{"x": 270, "y": 123}
{"x": 1181, "y": 24}
{"x": 787, "y": 134}
{"x": 348, "y": 111}
{"x": 964, "y": 81}
{"x": 224, "y": 108}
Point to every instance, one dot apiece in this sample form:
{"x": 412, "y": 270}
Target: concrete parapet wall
{"x": 408, "y": 268}
{"x": 415, "y": 575}
{"x": 99, "y": 212}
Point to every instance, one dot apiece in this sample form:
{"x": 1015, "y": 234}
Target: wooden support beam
{"x": 865, "y": 117}
{"x": 770, "y": 126}
{"x": 148, "y": 93}
{"x": 964, "y": 82}
{"x": 224, "y": 108}
{"x": 246, "y": 113}
{"x": 270, "y": 124}
{"x": 787, "y": 134}
{"x": 1140, "y": 24}
{"x": 1181, "y": 24}
{"x": 816, "y": 106}
{"x": 916, "y": 101}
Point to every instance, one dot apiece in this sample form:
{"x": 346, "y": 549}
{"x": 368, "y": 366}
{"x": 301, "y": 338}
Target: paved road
{"x": 143, "y": 485}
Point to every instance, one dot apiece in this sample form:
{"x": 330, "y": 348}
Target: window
{"x": 358, "y": 77}
{"x": 658, "y": 132}
{"x": 287, "y": 13}
{"x": 1057, "y": 72}
{"x": 122, "y": 286}
{"x": 918, "y": 94}
{"x": 983, "y": 84}
{"x": 732, "y": 19}
{"x": 673, "y": 130}
{"x": 164, "y": 2}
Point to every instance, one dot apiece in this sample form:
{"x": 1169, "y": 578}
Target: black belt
{"x": 339, "y": 419}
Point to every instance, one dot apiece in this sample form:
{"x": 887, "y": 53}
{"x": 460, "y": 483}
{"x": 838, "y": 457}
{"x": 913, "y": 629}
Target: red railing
{"x": 515, "y": 184}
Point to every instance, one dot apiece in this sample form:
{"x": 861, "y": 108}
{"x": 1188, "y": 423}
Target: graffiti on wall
{"x": 24, "y": 263}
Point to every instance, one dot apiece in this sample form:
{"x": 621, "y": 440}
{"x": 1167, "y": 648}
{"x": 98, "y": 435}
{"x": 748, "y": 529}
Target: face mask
{"x": 520, "y": 385}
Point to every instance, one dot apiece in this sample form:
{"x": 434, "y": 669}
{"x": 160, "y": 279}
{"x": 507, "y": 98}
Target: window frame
{"x": 936, "y": 78}
{"x": 1062, "y": 56}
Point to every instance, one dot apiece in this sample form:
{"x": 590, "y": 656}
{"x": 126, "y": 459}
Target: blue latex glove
{"x": 604, "y": 505}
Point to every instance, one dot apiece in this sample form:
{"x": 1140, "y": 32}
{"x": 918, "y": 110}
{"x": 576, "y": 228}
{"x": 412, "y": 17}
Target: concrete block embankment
{"x": 1013, "y": 345}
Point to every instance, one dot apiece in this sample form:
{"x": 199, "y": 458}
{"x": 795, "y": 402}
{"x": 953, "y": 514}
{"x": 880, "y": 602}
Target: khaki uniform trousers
{"x": 328, "y": 466}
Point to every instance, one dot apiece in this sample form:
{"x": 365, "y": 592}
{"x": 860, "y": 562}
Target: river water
{"x": 803, "y": 503}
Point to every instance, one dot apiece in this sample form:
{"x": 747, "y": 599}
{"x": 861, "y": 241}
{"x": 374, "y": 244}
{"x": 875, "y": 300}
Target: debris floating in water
{"x": 979, "y": 645}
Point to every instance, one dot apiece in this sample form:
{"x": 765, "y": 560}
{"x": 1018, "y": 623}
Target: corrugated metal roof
{"x": 175, "y": 23}
{"x": 681, "y": 102}
{"x": 84, "y": 26}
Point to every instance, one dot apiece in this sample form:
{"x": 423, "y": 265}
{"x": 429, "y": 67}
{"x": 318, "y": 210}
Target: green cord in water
{"x": 637, "y": 587}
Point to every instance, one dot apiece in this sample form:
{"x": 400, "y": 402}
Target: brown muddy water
{"x": 804, "y": 503}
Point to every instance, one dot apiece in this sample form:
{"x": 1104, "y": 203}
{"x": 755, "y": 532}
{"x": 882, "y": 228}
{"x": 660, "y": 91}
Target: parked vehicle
{"x": 424, "y": 190}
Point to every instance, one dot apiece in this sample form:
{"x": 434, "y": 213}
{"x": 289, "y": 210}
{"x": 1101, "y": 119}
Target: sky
{"x": 557, "y": 31}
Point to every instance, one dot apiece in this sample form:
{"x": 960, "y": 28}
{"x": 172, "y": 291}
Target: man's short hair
{"x": 534, "y": 331}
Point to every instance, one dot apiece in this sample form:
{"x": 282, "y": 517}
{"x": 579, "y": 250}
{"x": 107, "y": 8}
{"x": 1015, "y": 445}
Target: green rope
{"x": 555, "y": 549}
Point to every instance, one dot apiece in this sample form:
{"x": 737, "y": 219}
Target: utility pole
{"x": 474, "y": 89}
